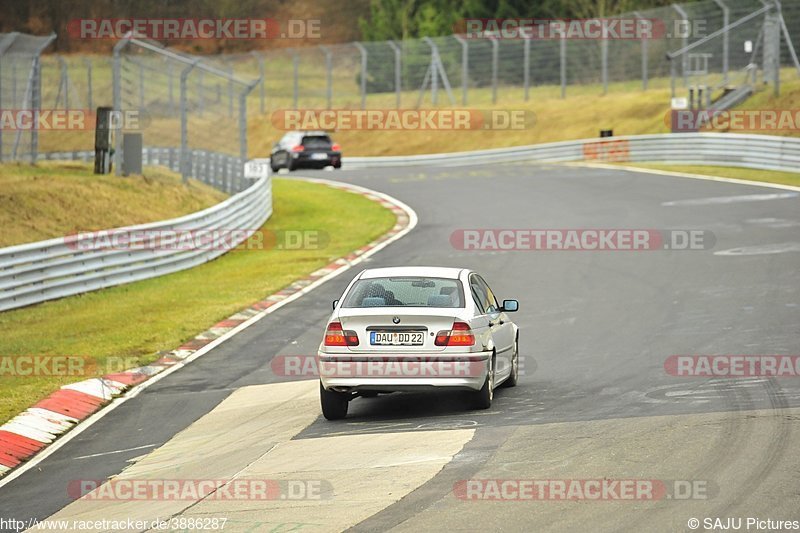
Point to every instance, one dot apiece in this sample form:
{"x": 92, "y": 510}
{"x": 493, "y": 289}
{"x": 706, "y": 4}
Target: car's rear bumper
{"x": 403, "y": 372}
{"x": 316, "y": 159}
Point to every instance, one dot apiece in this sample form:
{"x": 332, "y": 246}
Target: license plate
{"x": 396, "y": 338}
{"x": 319, "y": 156}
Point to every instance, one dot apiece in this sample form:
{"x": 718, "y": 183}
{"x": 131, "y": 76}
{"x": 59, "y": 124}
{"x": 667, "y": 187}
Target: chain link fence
{"x": 455, "y": 70}
{"x": 20, "y": 89}
{"x": 192, "y": 111}
{"x": 195, "y": 109}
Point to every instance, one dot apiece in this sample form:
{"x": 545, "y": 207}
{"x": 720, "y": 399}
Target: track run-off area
{"x": 596, "y": 406}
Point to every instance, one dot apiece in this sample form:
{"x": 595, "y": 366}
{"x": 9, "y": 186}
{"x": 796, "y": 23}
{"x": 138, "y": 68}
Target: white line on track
{"x": 117, "y": 451}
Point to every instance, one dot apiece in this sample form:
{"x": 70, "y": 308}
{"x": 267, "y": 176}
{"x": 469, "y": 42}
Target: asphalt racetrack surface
{"x": 594, "y": 401}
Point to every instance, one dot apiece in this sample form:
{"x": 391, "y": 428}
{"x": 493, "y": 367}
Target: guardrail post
{"x": 726, "y": 14}
{"x": 685, "y": 42}
{"x": 328, "y": 75}
{"x": 464, "y": 67}
{"x": 398, "y": 58}
{"x": 363, "y": 52}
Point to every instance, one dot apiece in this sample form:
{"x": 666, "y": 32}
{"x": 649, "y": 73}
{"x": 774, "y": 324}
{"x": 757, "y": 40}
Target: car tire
{"x": 334, "y": 404}
{"x": 289, "y": 163}
{"x": 483, "y": 398}
{"x": 512, "y": 379}
{"x": 273, "y": 166}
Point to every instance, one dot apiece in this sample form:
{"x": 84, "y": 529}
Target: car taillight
{"x": 336, "y": 148}
{"x": 298, "y": 148}
{"x": 335, "y": 336}
{"x": 460, "y": 335}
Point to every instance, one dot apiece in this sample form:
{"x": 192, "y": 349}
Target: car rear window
{"x": 317, "y": 142}
{"x": 405, "y": 292}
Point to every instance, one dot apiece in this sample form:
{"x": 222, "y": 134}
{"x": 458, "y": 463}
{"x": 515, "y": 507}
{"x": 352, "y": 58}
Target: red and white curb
{"x": 81, "y": 404}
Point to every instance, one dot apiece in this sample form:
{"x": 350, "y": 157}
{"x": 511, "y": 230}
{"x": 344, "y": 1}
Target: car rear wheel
{"x": 483, "y": 398}
{"x": 289, "y": 163}
{"x": 334, "y": 404}
{"x": 272, "y": 164}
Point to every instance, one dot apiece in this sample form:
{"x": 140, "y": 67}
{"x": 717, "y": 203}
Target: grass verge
{"x": 138, "y": 320}
{"x": 52, "y": 199}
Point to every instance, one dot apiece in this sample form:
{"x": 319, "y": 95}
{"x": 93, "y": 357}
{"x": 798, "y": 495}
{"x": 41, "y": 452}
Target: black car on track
{"x": 305, "y": 149}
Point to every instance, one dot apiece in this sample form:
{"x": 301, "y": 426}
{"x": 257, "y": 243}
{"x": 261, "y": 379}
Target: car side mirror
{"x": 335, "y": 303}
{"x": 510, "y": 306}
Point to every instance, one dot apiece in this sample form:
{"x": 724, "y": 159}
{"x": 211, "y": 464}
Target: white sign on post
{"x": 256, "y": 168}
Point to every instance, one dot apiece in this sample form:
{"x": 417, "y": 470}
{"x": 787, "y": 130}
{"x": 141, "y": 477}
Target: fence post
{"x": 141, "y": 86}
{"x": 726, "y": 19}
{"x": 526, "y": 70}
{"x": 604, "y": 62}
{"x": 201, "y": 100}
{"x": 464, "y": 67}
{"x": 398, "y": 58}
{"x": 495, "y": 59}
{"x": 36, "y": 103}
{"x": 260, "y": 63}
{"x": 563, "y": 64}
{"x": 363, "y": 51}
{"x": 243, "y": 131}
{"x": 684, "y": 42}
{"x": 230, "y": 92}
{"x": 328, "y": 75}
{"x": 117, "y": 104}
{"x": 295, "y": 83}
{"x": 644, "y": 52}
{"x": 184, "y": 122}
{"x": 5, "y": 44}
{"x": 89, "y": 98}
{"x": 63, "y": 84}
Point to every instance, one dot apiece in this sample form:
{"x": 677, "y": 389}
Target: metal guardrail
{"x": 724, "y": 149}
{"x": 39, "y": 271}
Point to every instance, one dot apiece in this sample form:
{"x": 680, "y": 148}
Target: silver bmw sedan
{"x": 417, "y": 328}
